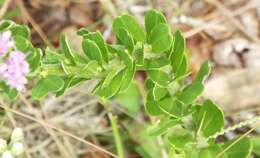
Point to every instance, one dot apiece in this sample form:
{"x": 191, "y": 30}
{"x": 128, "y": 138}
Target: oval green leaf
{"x": 160, "y": 38}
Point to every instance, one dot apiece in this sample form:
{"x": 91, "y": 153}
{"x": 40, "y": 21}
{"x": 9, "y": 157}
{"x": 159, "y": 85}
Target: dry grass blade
{"x": 14, "y": 124}
{"x": 234, "y": 143}
{"x": 62, "y": 149}
{"x": 4, "y": 8}
{"x": 234, "y": 21}
{"x": 218, "y": 20}
{"x": 44, "y": 123}
{"x": 37, "y": 28}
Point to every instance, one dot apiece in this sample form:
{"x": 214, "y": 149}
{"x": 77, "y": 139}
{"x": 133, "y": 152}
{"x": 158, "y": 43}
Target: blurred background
{"x": 225, "y": 32}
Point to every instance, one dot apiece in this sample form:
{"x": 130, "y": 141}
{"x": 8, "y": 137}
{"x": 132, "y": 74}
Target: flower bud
{"x": 3, "y": 145}
{"x": 17, "y": 135}
{"x": 7, "y": 154}
{"x": 17, "y": 149}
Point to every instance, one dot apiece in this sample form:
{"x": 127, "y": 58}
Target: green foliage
{"x": 153, "y": 18}
{"x": 130, "y": 99}
{"x": 22, "y": 43}
{"x": 160, "y": 38}
{"x": 34, "y": 59}
{"x": 191, "y": 93}
{"x": 185, "y": 124}
{"x": 159, "y": 77}
{"x": 203, "y": 72}
{"x": 130, "y": 24}
{"x": 209, "y": 119}
{"x": 92, "y": 50}
{"x": 256, "y": 145}
{"x": 47, "y": 84}
{"x": 178, "y": 52}
{"x": 21, "y": 30}
{"x": 162, "y": 126}
{"x": 9, "y": 92}
{"x": 242, "y": 148}
{"x": 99, "y": 40}
{"x": 181, "y": 138}
{"x": 211, "y": 151}
{"x": 66, "y": 49}
{"x": 6, "y": 25}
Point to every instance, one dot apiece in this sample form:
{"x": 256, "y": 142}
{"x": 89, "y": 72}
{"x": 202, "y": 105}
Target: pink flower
{"x": 5, "y": 42}
{"x": 14, "y": 70}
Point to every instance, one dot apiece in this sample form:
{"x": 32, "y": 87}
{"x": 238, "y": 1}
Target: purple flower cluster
{"x": 14, "y": 69}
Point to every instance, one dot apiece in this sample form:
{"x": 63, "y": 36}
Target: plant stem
{"x": 117, "y": 138}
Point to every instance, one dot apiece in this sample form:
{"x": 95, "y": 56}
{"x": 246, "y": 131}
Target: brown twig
{"x": 4, "y": 8}
{"x": 36, "y": 27}
{"x": 219, "y": 20}
{"x": 226, "y": 12}
{"x": 62, "y": 149}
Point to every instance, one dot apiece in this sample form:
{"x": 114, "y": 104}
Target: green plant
{"x": 189, "y": 126}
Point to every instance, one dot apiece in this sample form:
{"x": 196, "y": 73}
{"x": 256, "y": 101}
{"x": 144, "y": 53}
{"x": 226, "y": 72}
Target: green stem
{"x": 117, "y": 138}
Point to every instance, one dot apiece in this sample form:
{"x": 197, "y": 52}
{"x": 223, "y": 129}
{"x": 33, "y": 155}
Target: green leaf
{"x": 160, "y": 38}
{"x": 50, "y": 83}
{"x": 155, "y": 63}
{"x": 172, "y": 107}
{"x": 34, "y": 59}
{"x": 138, "y": 133}
{"x": 142, "y": 152}
{"x": 87, "y": 72}
{"x": 67, "y": 83}
{"x": 52, "y": 57}
{"x": 82, "y": 32}
{"x": 149, "y": 84}
{"x": 210, "y": 119}
{"x": 129, "y": 73}
{"x": 256, "y": 145}
{"x": 162, "y": 126}
{"x": 125, "y": 57}
{"x": 180, "y": 138}
{"x": 182, "y": 70}
{"x": 178, "y": 51}
{"x": 130, "y": 99}
{"x": 126, "y": 38}
{"x": 211, "y": 151}
{"x": 151, "y": 105}
{"x": 159, "y": 77}
{"x": 5, "y": 25}
{"x": 113, "y": 88}
{"x": 153, "y": 18}
{"x": 191, "y": 93}
{"x": 22, "y": 43}
{"x": 139, "y": 56}
{"x": 109, "y": 77}
{"x": 159, "y": 92}
{"x": 76, "y": 81}
{"x": 92, "y": 50}
{"x": 99, "y": 40}
{"x": 241, "y": 149}
{"x": 81, "y": 59}
{"x": 66, "y": 49}
{"x": 10, "y": 92}
{"x": 21, "y": 30}
{"x": 203, "y": 72}
{"x": 131, "y": 25}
